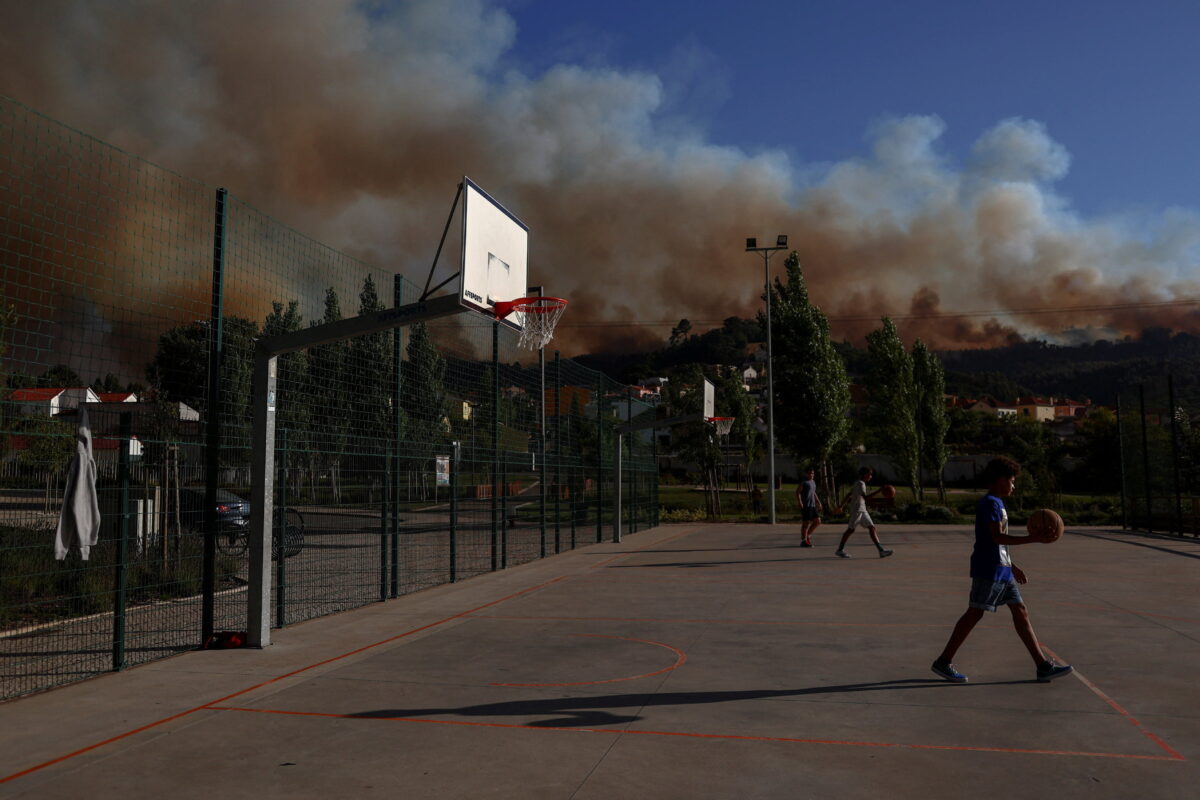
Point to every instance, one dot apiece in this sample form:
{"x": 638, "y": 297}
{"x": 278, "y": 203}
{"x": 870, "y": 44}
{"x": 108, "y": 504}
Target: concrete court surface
{"x": 689, "y": 661}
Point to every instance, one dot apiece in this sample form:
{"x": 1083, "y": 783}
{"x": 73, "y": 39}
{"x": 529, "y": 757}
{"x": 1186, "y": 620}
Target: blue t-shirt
{"x": 990, "y": 561}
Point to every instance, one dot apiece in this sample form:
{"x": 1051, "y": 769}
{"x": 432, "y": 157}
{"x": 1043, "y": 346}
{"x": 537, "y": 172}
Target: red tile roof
{"x": 35, "y": 395}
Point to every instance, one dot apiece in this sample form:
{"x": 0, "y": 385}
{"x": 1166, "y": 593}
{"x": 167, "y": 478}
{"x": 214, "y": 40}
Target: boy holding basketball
{"x": 994, "y": 577}
{"x": 857, "y": 498}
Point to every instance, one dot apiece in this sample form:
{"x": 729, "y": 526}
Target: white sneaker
{"x": 842, "y": 554}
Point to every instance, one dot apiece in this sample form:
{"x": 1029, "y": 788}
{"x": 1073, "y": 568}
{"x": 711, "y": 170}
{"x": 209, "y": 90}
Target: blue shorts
{"x": 989, "y": 595}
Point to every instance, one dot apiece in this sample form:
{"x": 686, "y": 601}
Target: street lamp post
{"x": 767, "y": 252}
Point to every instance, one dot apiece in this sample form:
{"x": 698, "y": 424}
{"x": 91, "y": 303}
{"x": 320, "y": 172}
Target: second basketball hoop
{"x": 722, "y": 425}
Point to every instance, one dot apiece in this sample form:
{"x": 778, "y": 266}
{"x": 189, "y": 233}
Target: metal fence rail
{"x": 404, "y": 459}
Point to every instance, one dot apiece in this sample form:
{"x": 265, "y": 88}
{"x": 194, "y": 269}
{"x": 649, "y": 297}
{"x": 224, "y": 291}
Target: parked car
{"x": 233, "y": 522}
{"x": 233, "y": 512}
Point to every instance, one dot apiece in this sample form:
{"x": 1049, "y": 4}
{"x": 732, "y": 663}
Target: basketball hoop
{"x": 723, "y": 425}
{"x": 538, "y": 316}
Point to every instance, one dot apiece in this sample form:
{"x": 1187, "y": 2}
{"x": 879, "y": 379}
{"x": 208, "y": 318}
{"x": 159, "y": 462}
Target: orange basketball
{"x": 888, "y": 491}
{"x": 1045, "y": 523}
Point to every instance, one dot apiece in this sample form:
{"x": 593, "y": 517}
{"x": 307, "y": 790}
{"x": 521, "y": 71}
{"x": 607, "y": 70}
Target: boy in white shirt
{"x": 856, "y": 503}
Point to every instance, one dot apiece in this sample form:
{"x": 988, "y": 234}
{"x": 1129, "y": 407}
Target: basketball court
{"x": 686, "y": 661}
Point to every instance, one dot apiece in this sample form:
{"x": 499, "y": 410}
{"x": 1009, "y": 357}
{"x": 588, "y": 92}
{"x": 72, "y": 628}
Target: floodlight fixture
{"x": 751, "y": 243}
{"x": 781, "y": 240}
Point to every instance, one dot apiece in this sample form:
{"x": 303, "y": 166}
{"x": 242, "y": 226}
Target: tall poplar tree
{"x": 812, "y": 391}
{"x": 893, "y": 401}
{"x": 370, "y": 381}
{"x": 330, "y": 396}
{"x": 932, "y": 422}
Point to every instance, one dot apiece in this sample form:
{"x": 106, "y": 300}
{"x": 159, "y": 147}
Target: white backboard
{"x": 710, "y": 400}
{"x": 495, "y": 246}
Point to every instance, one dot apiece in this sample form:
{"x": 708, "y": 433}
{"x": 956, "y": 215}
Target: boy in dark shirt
{"x": 994, "y": 577}
{"x": 810, "y": 506}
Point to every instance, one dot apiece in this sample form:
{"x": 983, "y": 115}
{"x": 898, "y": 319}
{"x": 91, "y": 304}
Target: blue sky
{"x": 1113, "y": 82}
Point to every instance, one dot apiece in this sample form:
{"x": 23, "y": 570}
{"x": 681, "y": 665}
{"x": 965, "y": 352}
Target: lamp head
{"x": 751, "y": 243}
{"x": 781, "y": 241}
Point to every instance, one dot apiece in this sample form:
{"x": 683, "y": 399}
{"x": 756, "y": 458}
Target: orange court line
{"x": 715, "y": 621}
{"x": 293, "y": 673}
{"x": 1174, "y": 754}
{"x": 276, "y": 679}
{"x": 685, "y": 734}
{"x": 679, "y": 662}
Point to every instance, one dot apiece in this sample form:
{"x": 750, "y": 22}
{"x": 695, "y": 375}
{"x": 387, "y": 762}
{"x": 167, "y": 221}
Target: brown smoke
{"x": 354, "y": 122}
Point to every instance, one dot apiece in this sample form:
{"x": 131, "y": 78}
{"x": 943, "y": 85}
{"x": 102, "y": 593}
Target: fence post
{"x": 542, "y": 449}
{"x": 599, "y": 460}
{"x": 557, "y": 452}
{"x": 384, "y": 526}
{"x": 654, "y": 476}
{"x": 398, "y": 430}
{"x": 632, "y": 504}
{"x": 1121, "y": 457}
{"x": 212, "y": 421}
{"x": 503, "y": 509}
{"x": 119, "y": 601}
{"x": 455, "y": 454}
{"x": 495, "y": 433}
{"x": 277, "y": 532}
{"x": 616, "y": 468}
{"x": 1146, "y": 460}
{"x": 1175, "y": 455}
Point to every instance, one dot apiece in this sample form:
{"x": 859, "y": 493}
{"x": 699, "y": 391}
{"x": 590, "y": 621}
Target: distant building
{"x": 749, "y": 375}
{"x": 1071, "y": 409}
{"x": 52, "y": 402}
{"x": 1038, "y": 409}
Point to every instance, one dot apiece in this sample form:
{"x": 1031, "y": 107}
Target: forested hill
{"x": 1094, "y": 371}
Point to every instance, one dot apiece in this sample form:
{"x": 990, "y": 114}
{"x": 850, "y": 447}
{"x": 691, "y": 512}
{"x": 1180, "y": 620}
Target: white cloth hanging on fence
{"x": 79, "y": 521}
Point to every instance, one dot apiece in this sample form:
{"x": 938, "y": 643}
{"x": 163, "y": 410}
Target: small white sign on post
{"x": 443, "y": 471}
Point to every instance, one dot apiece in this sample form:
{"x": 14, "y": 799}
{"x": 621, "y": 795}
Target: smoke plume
{"x": 353, "y": 122}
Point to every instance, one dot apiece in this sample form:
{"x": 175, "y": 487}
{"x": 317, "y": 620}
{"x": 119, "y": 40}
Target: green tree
{"x": 1099, "y": 447}
{"x": 178, "y": 373}
{"x": 929, "y": 380}
{"x": 425, "y": 402}
{"x": 371, "y": 364}
{"x": 293, "y": 419}
{"x": 680, "y": 332}
{"x": 49, "y": 446}
{"x": 812, "y": 391}
{"x": 60, "y": 376}
{"x": 329, "y": 382}
{"x": 892, "y": 414}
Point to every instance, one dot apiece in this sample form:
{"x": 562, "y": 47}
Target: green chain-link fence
{"x": 404, "y": 459}
{"x": 1160, "y": 471}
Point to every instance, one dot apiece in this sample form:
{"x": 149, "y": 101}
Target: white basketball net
{"x": 538, "y": 319}
{"x": 723, "y": 425}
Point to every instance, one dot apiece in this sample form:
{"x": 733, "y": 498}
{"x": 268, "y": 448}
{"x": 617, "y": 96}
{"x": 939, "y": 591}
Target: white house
{"x": 53, "y": 401}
